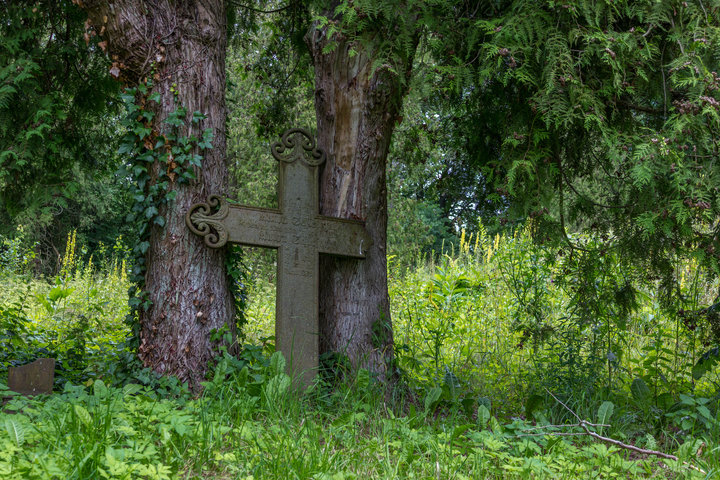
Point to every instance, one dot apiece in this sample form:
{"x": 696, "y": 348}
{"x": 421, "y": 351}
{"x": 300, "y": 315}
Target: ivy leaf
{"x": 207, "y": 138}
{"x": 150, "y": 212}
{"x": 126, "y": 147}
{"x": 129, "y": 96}
{"x": 141, "y": 131}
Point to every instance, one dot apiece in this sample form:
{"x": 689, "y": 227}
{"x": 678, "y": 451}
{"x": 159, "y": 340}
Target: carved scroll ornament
{"x": 208, "y": 225}
{"x": 298, "y": 144}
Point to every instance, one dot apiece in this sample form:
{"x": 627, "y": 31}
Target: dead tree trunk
{"x": 184, "y": 43}
{"x": 356, "y": 111}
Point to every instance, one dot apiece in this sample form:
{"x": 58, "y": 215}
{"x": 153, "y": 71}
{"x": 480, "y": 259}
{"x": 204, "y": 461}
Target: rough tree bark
{"x": 356, "y": 111}
{"x": 186, "y": 281}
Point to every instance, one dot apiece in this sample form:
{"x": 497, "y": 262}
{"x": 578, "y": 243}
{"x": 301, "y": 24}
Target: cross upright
{"x": 299, "y": 233}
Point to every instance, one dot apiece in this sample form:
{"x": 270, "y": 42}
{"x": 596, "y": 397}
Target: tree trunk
{"x": 356, "y": 112}
{"x": 184, "y": 43}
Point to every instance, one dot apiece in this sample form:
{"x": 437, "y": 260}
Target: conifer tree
{"x": 57, "y": 122}
{"x": 610, "y": 126}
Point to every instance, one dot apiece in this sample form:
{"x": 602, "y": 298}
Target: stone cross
{"x": 299, "y": 234}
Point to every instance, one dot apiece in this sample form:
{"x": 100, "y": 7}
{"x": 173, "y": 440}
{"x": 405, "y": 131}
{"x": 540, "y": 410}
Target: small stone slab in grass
{"x": 34, "y": 378}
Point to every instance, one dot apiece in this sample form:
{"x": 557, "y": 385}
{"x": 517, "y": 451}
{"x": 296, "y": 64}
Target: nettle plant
{"x": 156, "y": 162}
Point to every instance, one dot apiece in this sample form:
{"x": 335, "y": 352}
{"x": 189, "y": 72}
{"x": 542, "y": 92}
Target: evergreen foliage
{"x": 271, "y": 85}
{"x": 57, "y": 129}
{"x": 580, "y": 116}
{"x": 606, "y": 120}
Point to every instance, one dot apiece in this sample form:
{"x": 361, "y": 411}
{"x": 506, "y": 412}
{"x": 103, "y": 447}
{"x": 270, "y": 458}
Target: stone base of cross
{"x": 299, "y": 234}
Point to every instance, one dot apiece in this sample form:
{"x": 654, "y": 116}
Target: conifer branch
{"x": 237, "y": 4}
{"x": 597, "y": 204}
{"x": 640, "y": 108}
{"x": 562, "y": 214}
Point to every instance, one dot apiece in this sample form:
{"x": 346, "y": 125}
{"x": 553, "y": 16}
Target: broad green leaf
{"x": 99, "y": 388}
{"x": 687, "y": 400}
{"x": 432, "y": 398}
{"x": 277, "y": 386}
{"x": 451, "y": 385}
{"x": 131, "y": 389}
{"x": 15, "y": 431}
{"x": 640, "y": 392}
{"x": 483, "y": 416}
{"x": 706, "y": 362}
{"x": 82, "y": 414}
{"x": 605, "y": 412}
{"x": 59, "y": 293}
{"x": 705, "y": 412}
{"x": 277, "y": 363}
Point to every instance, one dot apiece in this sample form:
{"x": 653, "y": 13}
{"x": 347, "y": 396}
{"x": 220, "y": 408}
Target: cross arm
{"x": 219, "y": 222}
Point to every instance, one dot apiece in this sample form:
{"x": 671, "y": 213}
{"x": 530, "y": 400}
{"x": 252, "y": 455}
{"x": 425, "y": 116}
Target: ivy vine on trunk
{"x": 178, "y": 49}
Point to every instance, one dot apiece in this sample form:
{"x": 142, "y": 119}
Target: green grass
{"x": 250, "y": 428}
{"x": 483, "y": 336}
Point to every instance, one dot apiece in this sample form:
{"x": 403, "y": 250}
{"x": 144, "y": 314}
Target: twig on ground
{"x": 584, "y": 424}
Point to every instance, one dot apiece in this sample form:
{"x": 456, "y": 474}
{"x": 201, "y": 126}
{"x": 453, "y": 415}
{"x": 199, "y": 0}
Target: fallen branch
{"x": 585, "y": 425}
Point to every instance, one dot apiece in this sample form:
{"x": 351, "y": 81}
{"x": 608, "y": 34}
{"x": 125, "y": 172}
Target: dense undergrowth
{"x": 497, "y": 357}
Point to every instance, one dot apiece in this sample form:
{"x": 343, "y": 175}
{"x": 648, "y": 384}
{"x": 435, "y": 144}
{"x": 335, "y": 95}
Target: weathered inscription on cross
{"x": 299, "y": 234}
